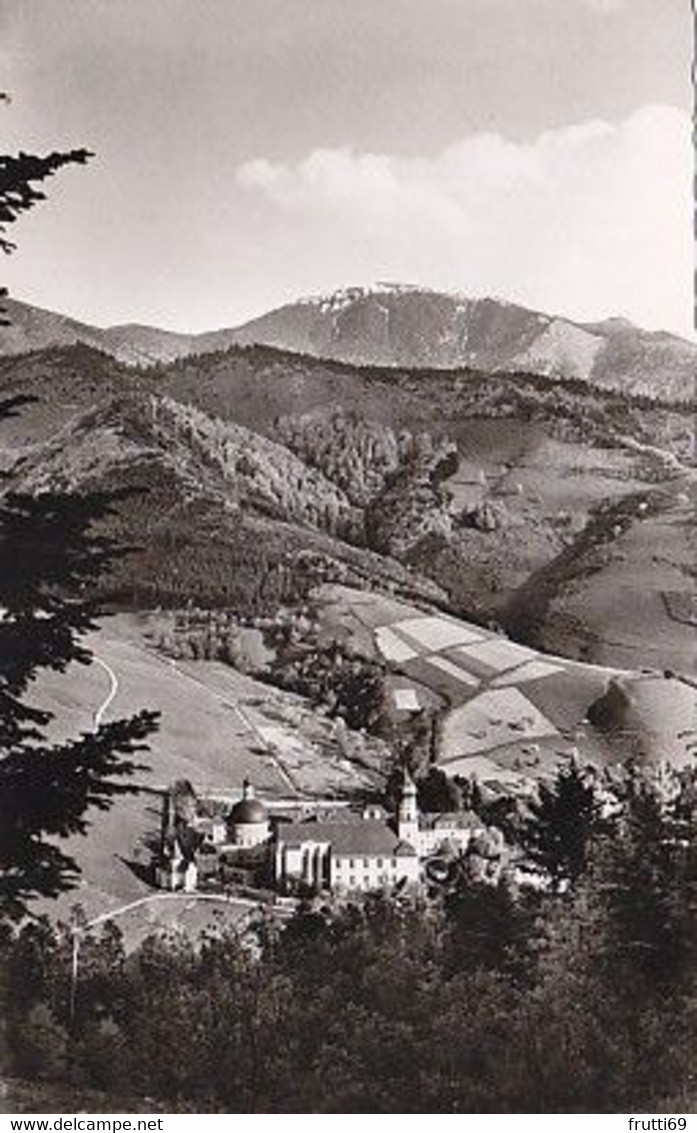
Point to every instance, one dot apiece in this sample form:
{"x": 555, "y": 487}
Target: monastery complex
{"x": 327, "y": 850}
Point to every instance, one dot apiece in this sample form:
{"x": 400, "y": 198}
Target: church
{"x": 366, "y": 851}
{"x": 342, "y": 850}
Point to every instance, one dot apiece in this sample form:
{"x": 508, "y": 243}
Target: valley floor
{"x": 508, "y": 715}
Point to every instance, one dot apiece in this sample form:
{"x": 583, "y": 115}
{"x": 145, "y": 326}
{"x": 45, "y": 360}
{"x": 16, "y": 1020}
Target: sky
{"x": 249, "y": 152}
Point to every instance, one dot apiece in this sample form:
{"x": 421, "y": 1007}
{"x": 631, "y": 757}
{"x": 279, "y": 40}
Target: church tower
{"x": 408, "y": 813}
{"x": 167, "y": 821}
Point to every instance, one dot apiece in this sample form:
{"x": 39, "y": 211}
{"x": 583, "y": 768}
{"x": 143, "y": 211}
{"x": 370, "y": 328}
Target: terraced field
{"x": 510, "y": 712}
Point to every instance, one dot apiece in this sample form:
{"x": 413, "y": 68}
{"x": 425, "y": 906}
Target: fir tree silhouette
{"x": 52, "y": 553}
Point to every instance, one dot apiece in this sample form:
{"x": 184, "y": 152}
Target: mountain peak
{"x": 411, "y": 326}
{"x": 344, "y": 296}
{"x": 403, "y": 325}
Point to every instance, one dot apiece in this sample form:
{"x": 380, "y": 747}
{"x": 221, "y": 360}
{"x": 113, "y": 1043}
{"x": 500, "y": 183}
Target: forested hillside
{"x": 220, "y": 513}
{"x": 402, "y": 327}
{"x": 578, "y": 996}
{"x": 258, "y": 463}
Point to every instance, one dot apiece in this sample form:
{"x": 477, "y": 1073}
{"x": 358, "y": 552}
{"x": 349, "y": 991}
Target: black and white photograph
{"x": 348, "y": 687}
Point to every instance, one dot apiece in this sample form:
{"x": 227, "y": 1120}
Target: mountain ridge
{"x": 262, "y": 472}
{"x": 401, "y": 326}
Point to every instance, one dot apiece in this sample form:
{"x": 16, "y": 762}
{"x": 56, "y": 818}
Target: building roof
{"x": 332, "y": 815}
{"x": 207, "y": 822}
{"x": 248, "y": 812}
{"x": 366, "y": 838}
{"x": 451, "y": 820}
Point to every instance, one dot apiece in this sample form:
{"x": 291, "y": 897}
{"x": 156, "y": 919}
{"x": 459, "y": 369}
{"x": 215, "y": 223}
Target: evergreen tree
{"x": 50, "y": 559}
{"x": 650, "y": 880}
{"x": 19, "y": 179}
{"x": 556, "y": 832}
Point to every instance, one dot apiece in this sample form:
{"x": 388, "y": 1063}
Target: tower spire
{"x": 168, "y": 813}
{"x": 408, "y": 813}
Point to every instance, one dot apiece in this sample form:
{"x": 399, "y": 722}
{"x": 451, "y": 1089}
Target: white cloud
{"x": 588, "y": 220}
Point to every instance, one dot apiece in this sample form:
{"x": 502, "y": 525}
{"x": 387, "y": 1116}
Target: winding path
{"x": 113, "y": 689}
{"x": 112, "y": 914}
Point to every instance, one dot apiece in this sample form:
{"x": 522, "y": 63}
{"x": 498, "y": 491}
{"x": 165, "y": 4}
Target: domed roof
{"x": 248, "y": 811}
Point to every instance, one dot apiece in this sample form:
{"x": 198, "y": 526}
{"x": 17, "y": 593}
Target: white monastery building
{"x": 343, "y": 850}
{"x": 364, "y": 852}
